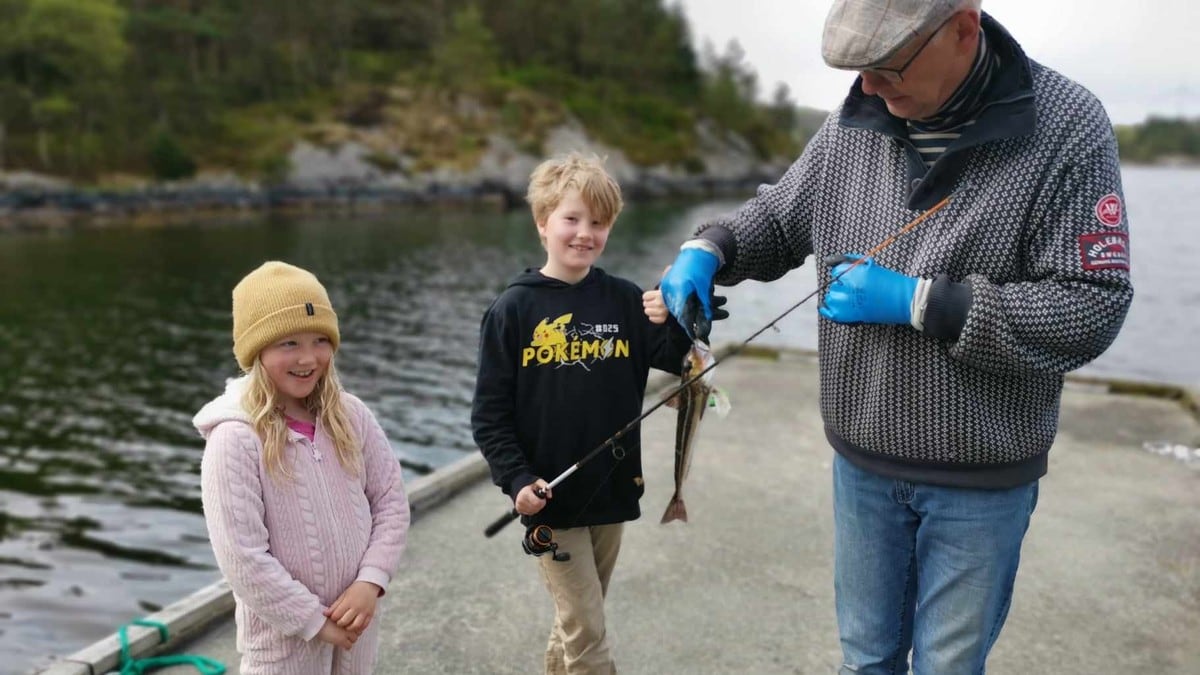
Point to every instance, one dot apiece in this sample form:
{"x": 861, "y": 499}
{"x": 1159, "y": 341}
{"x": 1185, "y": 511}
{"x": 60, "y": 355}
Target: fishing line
{"x": 512, "y": 515}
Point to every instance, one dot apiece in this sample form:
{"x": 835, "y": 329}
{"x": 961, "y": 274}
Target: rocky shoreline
{"x": 343, "y": 178}
{"x": 38, "y": 208}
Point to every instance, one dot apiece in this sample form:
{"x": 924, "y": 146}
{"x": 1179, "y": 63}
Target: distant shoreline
{"x": 49, "y": 205}
{"x": 63, "y": 208}
{"x": 1165, "y": 163}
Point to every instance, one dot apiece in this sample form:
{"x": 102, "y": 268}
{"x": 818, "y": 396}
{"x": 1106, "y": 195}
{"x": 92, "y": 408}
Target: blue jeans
{"x": 922, "y": 567}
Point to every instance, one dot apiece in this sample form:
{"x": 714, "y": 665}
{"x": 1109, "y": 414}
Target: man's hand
{"x": 527, "y": 502}
{"x": 868, "y": 293}
{"x": 687, "y": 289}
{"x": 336, "y": 635}
{"x": 355, "y": 607}
{"x": 656, "y": 310}
{"x": 690, "y": 276}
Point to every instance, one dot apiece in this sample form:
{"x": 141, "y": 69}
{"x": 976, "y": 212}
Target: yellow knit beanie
{"x": 274, "y": 301}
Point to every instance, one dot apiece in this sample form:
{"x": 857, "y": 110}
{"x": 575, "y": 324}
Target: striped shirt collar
{"x": 969, "y": 98}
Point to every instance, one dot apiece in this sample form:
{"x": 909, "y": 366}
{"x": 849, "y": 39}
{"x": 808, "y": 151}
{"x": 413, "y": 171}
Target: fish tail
{"x": 675, "y": 511}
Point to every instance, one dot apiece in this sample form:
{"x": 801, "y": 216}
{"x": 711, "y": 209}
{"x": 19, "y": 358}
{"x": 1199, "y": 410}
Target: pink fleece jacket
{"x": 290, "y": 547}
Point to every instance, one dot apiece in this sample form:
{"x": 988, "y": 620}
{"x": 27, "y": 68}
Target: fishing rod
{"x": 512, "y": 515}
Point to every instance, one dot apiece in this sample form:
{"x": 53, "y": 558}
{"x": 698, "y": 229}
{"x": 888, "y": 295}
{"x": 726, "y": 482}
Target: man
{"x": 941, "y": 358}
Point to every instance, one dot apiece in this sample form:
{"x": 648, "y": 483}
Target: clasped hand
{"x": 350, "y": 614}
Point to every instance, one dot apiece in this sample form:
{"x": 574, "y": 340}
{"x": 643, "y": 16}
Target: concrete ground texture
{"x": 1109, "y": 580}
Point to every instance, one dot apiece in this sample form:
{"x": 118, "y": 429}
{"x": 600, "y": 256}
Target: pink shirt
{"x": 306, "y": 429}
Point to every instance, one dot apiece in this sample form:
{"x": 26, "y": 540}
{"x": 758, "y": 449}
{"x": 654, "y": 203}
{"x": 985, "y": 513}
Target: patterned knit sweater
{"x": 1029, "y": 260}
{"x": 290, "y": 547}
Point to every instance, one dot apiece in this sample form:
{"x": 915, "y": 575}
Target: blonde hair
{"x": 554, "y": 178}
{"x": 261, "y": 401}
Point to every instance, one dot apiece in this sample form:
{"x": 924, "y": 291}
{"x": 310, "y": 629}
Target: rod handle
{"x": 500, "y": 523}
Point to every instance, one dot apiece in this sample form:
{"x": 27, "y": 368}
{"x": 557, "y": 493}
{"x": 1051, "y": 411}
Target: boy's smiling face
{"x": 574, "y": 238}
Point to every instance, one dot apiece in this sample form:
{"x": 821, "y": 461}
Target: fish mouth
{"x": 700, "y": 324}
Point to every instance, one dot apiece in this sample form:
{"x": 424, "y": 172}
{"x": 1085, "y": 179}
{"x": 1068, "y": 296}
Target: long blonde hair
{"x": 261, "y": 401}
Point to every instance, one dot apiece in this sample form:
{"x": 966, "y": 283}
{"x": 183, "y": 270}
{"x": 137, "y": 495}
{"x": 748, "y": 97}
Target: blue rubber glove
{"x": 691, "y": 276}
{"x": 868, "y": 293}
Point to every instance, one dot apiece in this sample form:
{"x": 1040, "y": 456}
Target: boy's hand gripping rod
{"x": 507, "y": 518}
{"x": 512, "y": 515}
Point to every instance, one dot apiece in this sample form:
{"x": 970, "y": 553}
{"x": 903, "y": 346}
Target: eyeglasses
{"x": 896, "y": 75}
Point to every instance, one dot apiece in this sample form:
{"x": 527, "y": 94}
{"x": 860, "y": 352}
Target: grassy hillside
{"x": 96, "y": 90}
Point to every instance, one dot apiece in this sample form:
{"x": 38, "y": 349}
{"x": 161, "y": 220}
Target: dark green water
{"x": 112, "y": 339}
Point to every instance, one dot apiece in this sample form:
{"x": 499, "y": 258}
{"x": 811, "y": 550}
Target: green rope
{"x": 132, "y": 666}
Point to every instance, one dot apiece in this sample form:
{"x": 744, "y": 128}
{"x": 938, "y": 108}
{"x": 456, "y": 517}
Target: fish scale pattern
{"x": 1012, "y": 231}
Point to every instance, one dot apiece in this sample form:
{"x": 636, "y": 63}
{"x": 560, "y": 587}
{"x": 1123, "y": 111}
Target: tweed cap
{"x": 277, "y": 300}
{"x": 862, "y": 34}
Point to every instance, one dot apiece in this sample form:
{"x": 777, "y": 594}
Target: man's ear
{"x": 966, "y": 29}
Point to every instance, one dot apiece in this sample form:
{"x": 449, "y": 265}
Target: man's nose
{"x": 872, "y": 83}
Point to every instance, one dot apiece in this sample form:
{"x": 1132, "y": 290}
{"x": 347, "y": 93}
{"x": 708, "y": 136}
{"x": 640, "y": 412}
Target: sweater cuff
{"x": 920, "y": 300}
{"x": 376, "y": 576}
{"x": 518, "y": 482}
{"x": 723, "y": 239}
{"x": 313, "y": 625}
{"x": 947, "y": 308}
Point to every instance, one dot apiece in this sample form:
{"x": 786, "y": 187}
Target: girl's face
{"x": 295, "y": 364}
{"x": 574, "y": 237}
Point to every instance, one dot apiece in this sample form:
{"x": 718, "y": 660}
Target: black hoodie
{"x": 562, "y": 367}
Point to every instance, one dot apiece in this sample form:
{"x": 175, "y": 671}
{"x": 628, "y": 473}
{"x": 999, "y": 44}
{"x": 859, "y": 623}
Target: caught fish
{"x": 691, "y": 401}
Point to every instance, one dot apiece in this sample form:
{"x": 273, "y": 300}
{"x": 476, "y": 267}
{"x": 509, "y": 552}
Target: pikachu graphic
{"x": 550, "y": 334}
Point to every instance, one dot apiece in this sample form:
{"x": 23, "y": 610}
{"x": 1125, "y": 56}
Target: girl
{"x": 302, "y": 494}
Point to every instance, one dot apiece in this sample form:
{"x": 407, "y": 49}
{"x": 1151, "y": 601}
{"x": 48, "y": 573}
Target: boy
{"x": 563, "y": 359}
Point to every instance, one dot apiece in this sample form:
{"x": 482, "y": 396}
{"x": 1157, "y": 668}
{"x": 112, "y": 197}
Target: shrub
{"x": 168, "y": 159}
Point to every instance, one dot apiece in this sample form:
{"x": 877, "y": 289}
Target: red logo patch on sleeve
{"x": 1108, "y": 210}
{"x": 1104, "y": 251}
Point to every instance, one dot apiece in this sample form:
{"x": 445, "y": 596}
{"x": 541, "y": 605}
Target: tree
{"x": 66, "y": 56}
{"x": 467, "y": 56}
{"x": 730, "y": 85}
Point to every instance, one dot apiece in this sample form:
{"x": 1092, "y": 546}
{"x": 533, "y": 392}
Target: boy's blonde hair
{"x": 260, "y": 400}
{"x": 555, "y": 177}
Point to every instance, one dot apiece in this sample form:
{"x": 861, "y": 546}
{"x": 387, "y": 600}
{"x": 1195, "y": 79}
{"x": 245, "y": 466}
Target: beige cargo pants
{"x": 578, "y": 586}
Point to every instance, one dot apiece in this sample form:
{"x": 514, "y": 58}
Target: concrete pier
{"x": 1109, "y": 581}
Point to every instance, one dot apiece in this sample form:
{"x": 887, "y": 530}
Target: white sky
{"x": 1139, "y": 58}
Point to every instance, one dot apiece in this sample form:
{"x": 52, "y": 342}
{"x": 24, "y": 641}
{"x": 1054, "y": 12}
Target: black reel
{"x": 539, "y": 540}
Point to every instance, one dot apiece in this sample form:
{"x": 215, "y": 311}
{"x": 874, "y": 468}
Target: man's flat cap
{"x": 862, "y": 34}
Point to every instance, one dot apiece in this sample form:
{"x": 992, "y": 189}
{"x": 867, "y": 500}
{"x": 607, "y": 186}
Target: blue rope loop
{"x": 132, "y": 666}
